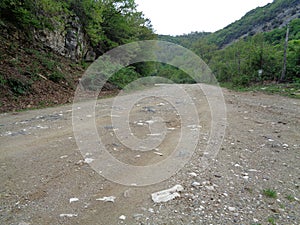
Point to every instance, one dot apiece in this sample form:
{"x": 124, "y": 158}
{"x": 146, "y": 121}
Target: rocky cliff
{"x": 67, "y": 39}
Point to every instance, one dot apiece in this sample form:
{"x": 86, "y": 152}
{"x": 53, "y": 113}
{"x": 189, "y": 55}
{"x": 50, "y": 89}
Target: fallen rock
{"x": 231, "y": 209}
{"x": 68, "y": 215}
{"x": 167, "y": 195}
{"x": 122, "y": 217}
{"x": 107, "y": 199}
{"x": 73, "y": 200}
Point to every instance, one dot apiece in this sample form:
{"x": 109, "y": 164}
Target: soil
{"x": 254, "y": 179}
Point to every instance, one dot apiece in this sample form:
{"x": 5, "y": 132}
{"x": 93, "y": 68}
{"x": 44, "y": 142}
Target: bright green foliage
{"x": 240, "y": 63}
{"x": 270, "y": 193}
{"x": 124, "y": 77}
{"x": 90, "y": 14}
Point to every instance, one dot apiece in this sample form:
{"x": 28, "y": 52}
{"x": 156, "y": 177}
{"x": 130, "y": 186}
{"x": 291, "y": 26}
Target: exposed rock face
{"x": 67, "y": 39}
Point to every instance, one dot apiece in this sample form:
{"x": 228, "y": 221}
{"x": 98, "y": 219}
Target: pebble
{"x": 88, "y": 160}
{"x": 69, "y": 215}
{"x": 107, "y": 199}
{"x": 122, "y": 217}
{"x": 210, "y": 188}
{"x": 193, "y": 174}
{"x": 196, "y": 184}
{"x": 231, "y": 209}
{"x": 73, "y": 200}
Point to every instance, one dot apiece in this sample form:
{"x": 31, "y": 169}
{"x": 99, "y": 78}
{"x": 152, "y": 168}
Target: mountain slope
{"x": 274, "y": 15}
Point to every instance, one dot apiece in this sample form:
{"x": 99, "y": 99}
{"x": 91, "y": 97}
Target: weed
{"x": 19, "y": 87}
{"x": 272, "y": 221}
{"x": 290, "y": 198}
{"x": 3, "y": 81}
{"x": 270, "y": 193}
{"x": 56, "y": 76}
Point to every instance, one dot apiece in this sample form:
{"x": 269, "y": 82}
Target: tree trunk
{"x": 285, "y": 55}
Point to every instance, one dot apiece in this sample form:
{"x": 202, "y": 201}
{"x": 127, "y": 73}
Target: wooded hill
{"x": 254, "y": 43}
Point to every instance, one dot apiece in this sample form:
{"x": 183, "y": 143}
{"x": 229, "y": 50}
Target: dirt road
{"x": 254, "y": 179}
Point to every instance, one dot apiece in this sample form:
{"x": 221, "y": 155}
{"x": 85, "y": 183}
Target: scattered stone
{"x": 23, "y": 223}
{"x": 193, "y": 174}
{"x": 158, "y": 153}
{"x": 167, "y": 195}
{"x": 231, "y": 209}
{"x": 137, "y": 215}
{"x": 210, "y": 188}
{"x": 88, "y": 160}
{"x": 73, "y": 200}
{"x": 122, "y": 217}
{"x": 196, "y": 184}
{"x": 246, "y": 177}
{"x": 150, "y": 210}
{"x": 107, "y": 199}
{"x": 68, "y": 215}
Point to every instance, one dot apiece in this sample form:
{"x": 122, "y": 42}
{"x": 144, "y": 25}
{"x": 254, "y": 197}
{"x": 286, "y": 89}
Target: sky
{"x": 176, "y": 17}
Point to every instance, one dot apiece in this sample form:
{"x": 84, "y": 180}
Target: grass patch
{"x": 270, "y": 193}
{"x": 290, "y": 198}
{"x": 272, "y": 221}
{"x": 291, "y": 89}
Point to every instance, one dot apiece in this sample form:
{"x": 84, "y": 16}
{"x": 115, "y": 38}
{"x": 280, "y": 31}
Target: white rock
{"x": 231, "y": 209}
{"x": 88, "y": 160}
{"x": 23, "y": 223}
{"x": 210, "y": 188}
{"x": 171, "y": 128}
{"x": 107, "y": 199}
{"x": 285, "y": 145}
{"x": 246, "y": 177}
{"x": 150, "y": 121}
{"x": 73, "y": 200}
{"x": 68, "y": 215}
{"x": 167, "y": 195}
{"x": 196, "y": 184}
{"x": 158, "y": 153}
{"x": 122, "y": 217}
{"x": 151, "y": 210}
{"x": 193, "y": 174}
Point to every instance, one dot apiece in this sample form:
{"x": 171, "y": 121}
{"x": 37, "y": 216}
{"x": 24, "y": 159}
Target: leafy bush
{"x": 18, "y": 86}
{"x": 56, "y": 76}
{"x": 124, "y": 77}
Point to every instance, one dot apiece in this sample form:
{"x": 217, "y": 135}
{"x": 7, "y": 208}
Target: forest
{"x": 251, "y": 60}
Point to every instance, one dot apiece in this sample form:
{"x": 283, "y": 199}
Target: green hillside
{"x": 261, "y": 19}
{"x": 255, "y": 43}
